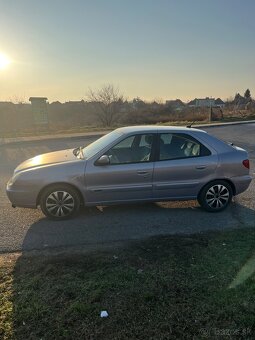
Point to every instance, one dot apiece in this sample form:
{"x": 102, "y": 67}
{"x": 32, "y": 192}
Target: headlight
{"x": 12, "y": 180}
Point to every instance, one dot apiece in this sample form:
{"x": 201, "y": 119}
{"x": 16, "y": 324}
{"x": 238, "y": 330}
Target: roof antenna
{"x": 190, "y": 125}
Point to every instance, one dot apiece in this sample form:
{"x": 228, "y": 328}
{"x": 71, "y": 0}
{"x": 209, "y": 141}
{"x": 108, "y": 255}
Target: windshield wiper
{"x": 78, "y": 152}
{"x": 81, "y": 151}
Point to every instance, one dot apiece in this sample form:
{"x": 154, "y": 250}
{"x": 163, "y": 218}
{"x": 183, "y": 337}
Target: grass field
{"x": 88, "y": 128}
{"x": 174, "y": 287}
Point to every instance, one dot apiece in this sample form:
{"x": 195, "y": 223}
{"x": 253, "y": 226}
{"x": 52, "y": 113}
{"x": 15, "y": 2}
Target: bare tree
{"x": 107, "y": 102}
{"x": 18, "y": 99}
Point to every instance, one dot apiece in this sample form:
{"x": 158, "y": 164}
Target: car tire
{"x": 215, "y": 196}
{"x": 60, "y": 202}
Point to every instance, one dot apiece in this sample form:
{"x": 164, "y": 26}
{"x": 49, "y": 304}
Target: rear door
{"x": 128, "y": 177}
{"x": 182, "y": 167}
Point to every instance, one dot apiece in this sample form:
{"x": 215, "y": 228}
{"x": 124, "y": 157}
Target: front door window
{"x": 133, "y": 149}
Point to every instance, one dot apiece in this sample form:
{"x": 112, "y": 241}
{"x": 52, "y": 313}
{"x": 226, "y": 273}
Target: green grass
{"x": 174, "y": 287}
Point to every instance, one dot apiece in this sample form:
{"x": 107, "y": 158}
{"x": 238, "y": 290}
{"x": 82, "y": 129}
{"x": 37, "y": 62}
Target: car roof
{"x": 156, "y": 129}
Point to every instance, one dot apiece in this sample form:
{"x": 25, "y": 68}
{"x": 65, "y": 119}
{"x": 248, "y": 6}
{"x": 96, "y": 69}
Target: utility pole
{"x": 210, "y": 112}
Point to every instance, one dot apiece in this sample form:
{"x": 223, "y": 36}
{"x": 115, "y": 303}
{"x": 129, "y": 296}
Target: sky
{"x": 154, "y": 49}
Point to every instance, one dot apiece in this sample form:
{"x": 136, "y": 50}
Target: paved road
{"x": 27, "y": 229}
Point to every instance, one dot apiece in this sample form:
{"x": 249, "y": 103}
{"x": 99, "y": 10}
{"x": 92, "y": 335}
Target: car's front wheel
{"x": 60, "y": 202}
{"x": 215, "y": 196}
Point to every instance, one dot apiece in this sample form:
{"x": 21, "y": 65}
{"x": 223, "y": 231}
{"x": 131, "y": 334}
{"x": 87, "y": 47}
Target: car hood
{"x": 50, "y": 158}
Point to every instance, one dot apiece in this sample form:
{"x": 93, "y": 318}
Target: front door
{"x": 128, "y": 177}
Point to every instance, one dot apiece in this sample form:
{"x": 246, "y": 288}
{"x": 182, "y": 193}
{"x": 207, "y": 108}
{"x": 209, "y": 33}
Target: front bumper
{"x": 21, "y": 197}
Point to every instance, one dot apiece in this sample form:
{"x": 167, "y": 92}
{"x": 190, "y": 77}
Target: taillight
{"x": 246, "y": 163}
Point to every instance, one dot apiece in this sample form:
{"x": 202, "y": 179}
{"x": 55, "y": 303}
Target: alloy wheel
{"x": 217, "y": 196}
{"x": 60, "y": 203}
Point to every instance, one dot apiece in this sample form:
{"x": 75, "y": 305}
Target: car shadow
{"x": 100, "y": 225}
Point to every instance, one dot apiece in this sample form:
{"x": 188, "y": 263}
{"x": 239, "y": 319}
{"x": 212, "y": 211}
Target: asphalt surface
{"x": 28, "y": 229}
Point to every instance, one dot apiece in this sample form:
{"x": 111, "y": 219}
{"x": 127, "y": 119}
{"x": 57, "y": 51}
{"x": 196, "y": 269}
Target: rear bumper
{"x": 241, "y": 183}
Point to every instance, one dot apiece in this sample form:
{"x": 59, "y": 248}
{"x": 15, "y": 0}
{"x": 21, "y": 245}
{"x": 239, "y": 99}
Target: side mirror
{"x": 103, "y": 160}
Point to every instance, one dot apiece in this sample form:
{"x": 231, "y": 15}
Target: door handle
{"x": 143, "y": 173}
{"x": 201, "y": 167}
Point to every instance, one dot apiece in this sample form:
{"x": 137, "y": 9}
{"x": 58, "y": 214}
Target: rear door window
{"x": 175, "y": 146}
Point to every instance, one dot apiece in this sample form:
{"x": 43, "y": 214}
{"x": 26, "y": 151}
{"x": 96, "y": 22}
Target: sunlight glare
{"x": 4, "y": 61}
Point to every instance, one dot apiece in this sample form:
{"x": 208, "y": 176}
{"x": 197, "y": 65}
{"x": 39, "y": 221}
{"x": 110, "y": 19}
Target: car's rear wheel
{"x": 215, "y": 196}
{"x": 60, "y": 202}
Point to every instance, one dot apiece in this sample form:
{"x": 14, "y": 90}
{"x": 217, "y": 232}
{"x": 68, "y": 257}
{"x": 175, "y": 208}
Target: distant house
{"x": 219, "y": 103}
{"x": 192, "y": 103}
{"x": 137, "y": 104}
{"x": 154, "y": 105}
{"x": 202, "y": 102}
{"x": 38, "y": 99}
{"x": 206, "y": 102}
{"x": 75, "y": 102}
{"x": 56, "y": 103}
{"x": 176, "y": 104}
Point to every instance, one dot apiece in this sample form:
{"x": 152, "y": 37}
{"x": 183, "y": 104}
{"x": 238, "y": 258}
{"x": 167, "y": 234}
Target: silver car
{"x": 133, "y": 164}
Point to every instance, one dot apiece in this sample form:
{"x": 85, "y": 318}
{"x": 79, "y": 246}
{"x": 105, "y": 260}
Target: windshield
{"x": 93, "y": 148}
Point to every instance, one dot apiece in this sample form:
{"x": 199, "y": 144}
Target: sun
{"x": 4, "y": 61}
